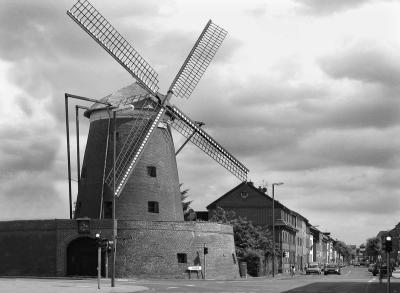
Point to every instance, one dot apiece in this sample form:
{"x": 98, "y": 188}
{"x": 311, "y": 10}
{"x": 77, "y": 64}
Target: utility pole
{"x": 273, "y": 227}
{"x": 389, "y": 271}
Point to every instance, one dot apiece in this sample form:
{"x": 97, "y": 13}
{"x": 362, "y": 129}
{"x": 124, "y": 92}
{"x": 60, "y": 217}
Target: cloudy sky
{"x": 301, "y": 91}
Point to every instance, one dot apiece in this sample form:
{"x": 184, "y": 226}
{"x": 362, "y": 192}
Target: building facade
{"x": 291, "y": 232}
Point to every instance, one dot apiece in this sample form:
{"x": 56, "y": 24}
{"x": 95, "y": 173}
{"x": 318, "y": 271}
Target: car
{"x": 313, "y": 268}
{"x": 332, "y": 269}
{"x": 356, "y": 264}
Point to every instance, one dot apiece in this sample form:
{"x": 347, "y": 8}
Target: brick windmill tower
{"x": 145, "y": 180}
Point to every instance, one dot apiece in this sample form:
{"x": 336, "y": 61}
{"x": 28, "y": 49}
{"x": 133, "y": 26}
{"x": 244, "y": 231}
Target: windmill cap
{"x": 131, "y": 94}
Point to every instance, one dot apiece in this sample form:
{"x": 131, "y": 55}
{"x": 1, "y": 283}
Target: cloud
{"x": 365, "y": 62}
{"x": 326, "y": 7}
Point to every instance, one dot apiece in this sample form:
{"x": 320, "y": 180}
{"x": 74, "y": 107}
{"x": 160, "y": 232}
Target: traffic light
{"x": 284, "y": 253}
{"x": 101, "y": 242}
{"x": 205, "y": 250}
{"x": 98, "y": 239}
{"x": 388, "y": 244}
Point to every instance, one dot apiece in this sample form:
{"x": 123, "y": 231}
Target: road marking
{"x": 190, "y": 285}
{"x": 172, "y": 287}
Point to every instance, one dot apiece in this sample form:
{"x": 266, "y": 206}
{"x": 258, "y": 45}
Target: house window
{"x": 153, "y": 207}
{"x": 182, "y": 257}
{"x": 108, "y": 209}
{"x": 152, "y": 171}
{"x": 244, "y": 194}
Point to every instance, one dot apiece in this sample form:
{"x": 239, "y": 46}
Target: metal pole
{"x": 78, "y": 154}
{"x": 106, "y": 263}
{"x": 78, "y": 164}
{"x": 69, "y": 157}
{"x": 388, "y": 272}
{"x": 113, "y": 201}
{"x": 205, "y": 262}
{"x": 273, "y": 230}
{"x": 199, "y": 124}
{"x": 66, "y": 96}
{"x": 98, "y": 266}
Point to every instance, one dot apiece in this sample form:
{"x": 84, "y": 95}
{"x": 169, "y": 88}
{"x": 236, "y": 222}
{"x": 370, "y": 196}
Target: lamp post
{"x": 273, "y": 226}
{"x": 114, "y": 235}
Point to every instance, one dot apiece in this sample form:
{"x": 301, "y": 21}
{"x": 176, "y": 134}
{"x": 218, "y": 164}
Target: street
{"x": 352, "y": 279}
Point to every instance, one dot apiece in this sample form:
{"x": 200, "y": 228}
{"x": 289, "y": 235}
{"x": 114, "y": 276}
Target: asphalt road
{"x": 352, "y": 280}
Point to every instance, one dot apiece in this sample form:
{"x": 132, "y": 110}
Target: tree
{"x": 373, "y": 247}
{"x": 185, "y": 203}
{"x": 342, "y": 249}
{"x": 252, "y": 243}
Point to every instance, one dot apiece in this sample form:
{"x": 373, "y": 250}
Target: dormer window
{"x": 244, "y": 194}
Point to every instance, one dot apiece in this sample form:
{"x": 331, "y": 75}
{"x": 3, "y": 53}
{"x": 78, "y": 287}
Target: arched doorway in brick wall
{"x": 82, "y": 257}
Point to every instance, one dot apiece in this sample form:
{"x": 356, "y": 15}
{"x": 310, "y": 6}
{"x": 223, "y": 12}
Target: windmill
{"x": 152, "y": 110}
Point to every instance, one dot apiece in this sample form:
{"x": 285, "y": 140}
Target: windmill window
{"x": 182, "y": 257}
{"x": 153, "y": 207}
{"x": 152, "y": 171}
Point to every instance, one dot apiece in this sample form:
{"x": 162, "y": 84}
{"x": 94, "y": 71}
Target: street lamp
{"x": 114, "y": 235}
{"x": 273, "y": 226}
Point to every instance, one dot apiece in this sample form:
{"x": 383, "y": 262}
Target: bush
{"x": 254, "y": 262}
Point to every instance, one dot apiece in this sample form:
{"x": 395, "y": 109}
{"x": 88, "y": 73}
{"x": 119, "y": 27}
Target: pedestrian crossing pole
{"x": 389, "y": 271}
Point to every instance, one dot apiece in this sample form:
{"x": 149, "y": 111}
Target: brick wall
{"x": 151, "y": 248}
{"x": 27, "y": 248}
{"x": 144, "y": 248}
{"x": 140, "y": 188}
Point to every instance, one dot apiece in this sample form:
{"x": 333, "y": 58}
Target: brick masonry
{"x": 144, "y": 248}
{"x": 140, "y": 188}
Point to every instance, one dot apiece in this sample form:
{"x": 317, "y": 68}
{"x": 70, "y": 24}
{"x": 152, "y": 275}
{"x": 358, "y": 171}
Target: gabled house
{"x": 253, "y": 203}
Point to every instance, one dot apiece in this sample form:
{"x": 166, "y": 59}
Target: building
{"x": 255, "y": 204}
{"x": 152, "y": 237}
{"x": 315, "y": 245}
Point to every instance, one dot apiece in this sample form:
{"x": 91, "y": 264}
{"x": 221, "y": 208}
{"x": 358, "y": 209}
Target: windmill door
{"x": 82, "y": 258}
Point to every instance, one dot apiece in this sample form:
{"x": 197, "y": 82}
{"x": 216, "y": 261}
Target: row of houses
{"x": 299, "y": 241}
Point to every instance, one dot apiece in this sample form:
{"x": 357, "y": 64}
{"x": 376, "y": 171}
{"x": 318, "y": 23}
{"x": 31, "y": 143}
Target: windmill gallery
{"x": 128, "y": 187}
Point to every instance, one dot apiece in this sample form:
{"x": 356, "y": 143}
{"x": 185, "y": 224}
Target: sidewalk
{"x": 25, "y": 285}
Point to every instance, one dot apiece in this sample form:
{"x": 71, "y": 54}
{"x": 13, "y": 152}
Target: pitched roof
{"x": 251, "y": 185}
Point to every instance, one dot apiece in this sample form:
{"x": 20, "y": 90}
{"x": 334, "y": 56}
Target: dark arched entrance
{"x": 82, "y": 257}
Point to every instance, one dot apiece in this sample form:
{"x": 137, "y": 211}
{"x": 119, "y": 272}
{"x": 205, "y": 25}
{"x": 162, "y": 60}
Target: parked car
{"x": 332, "y": 269}
{"x": 356, "y": 264}
{"x": 313, "y": 268}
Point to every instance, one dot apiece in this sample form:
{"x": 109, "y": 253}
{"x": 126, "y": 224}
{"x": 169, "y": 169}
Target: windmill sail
{"x": 184, "y": 125}
{"x": 91, "y": 21}
{"x": 144, "y": 124}
{"x": 198, "y": 60}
